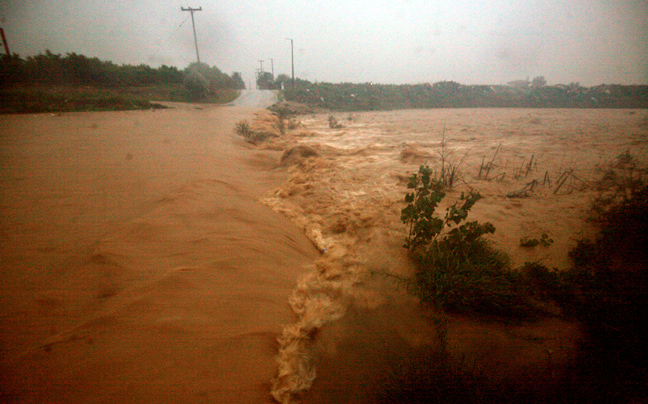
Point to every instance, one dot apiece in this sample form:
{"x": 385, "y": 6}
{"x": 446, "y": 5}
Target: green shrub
{"x": 419, "y": 215}
{"x": 606, "y": 289}
{"x": 621, "y": 181}
{"x": 610, "y": 274}
{"x": 457, "y": 269}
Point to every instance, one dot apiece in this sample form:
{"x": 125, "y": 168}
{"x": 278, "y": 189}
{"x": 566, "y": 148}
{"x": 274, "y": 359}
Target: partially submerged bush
{"x": 458, "y": 270}
{"x": 282, "y": 112}
{"x": 544, "y": 240}
{"x": 611, "y": 276}
{"x": 606, "y": 290}
{"x": 243, "y": 128}
{"x": 333, "y": 123}
{"x": 621, "y": 181}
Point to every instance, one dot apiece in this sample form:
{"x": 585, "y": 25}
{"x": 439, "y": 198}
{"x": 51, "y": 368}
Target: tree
{"x": 283, "y": 81}
{"x": 195, "y": 81}
{"x": 539, "y": 82}
{"x": 12, "y": 70}
{"x": 239, "y": 84}
{"x": 265, "y": 81}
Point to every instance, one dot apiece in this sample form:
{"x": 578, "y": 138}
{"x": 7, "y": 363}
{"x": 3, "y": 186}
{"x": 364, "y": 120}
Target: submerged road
{"x": 256, "y": 98}
{"x": 137, "y": 264}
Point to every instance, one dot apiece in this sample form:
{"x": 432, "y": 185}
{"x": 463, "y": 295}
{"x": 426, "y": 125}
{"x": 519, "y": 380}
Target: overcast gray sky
{"x": 384, "y": 41}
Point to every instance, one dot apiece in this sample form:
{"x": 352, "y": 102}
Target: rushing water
{"x": 346, "y": 190}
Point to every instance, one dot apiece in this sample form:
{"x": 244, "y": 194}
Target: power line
{"x": 182, "y": 23}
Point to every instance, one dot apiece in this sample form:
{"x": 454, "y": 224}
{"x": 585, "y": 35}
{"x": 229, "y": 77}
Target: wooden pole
{"x": 191, "y": 10}
{"x": 4, "y": 41}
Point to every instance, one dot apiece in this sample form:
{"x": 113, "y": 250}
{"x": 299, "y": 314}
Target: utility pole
{"x": 292, "y": 61}
{"x": 261, "y": 68}
{"x": 193, "y": 23}
{"x": 272, "y": 67}
{"x": 4, "y": 41}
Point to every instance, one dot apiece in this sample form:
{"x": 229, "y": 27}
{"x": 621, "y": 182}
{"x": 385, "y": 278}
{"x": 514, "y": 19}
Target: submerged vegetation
{"x": 51, "y": 82}
{"x": 605, "y": 290}
{"x": 281, "y": 121}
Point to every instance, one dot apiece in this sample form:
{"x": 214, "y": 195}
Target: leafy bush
{"x": 606, "y": 290}
{"x": 610, "y": 275}
{"x": 265, "y": 81}
{"x": 418, "y": 215}
{"x": 621, "y": 181}
{"x": 457, "y": 269}
{"x": 196, "y": 84}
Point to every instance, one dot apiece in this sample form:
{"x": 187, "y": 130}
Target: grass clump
{"x": 457, "y": 268}
{"x": 244, "y": 129}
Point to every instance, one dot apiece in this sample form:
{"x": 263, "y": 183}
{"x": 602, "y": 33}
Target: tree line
{"x": 74, "y": 69}
{"x": 450, "y": 94}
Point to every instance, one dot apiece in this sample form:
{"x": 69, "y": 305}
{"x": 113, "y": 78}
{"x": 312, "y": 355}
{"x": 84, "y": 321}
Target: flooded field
{"x": 346, "y": 188}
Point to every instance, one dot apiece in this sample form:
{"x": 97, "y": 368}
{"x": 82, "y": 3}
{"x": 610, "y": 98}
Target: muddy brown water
{"x": 137, "y": 263}
{"x": 153, "y": 256}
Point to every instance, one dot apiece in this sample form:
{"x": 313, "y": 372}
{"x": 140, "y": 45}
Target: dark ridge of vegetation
{"x": 60, "y": 99}
{"x": 51, "y": 82}
{"x": 449, "y": 94}
{"x": 74, "y": 69}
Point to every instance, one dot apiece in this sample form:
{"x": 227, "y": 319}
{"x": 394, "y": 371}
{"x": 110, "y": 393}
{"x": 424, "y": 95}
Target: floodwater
{"x": 348, "y": 199}
{"x": 153, "y": 256}
{"x": 137, "y": 263}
